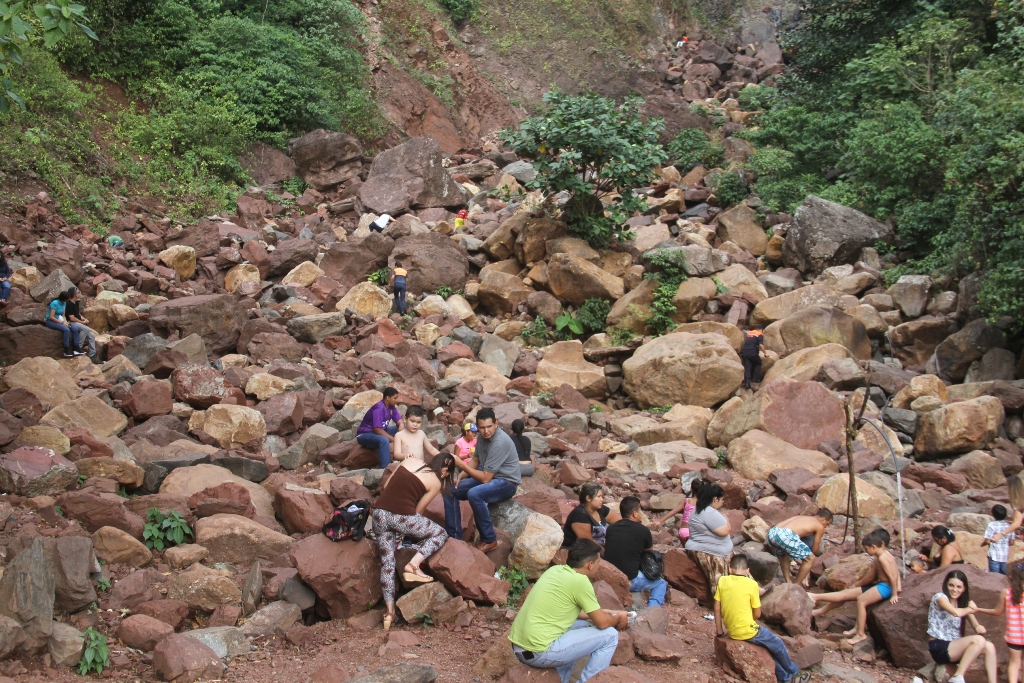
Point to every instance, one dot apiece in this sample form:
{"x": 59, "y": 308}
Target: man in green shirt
{"x": 550, "y": 631}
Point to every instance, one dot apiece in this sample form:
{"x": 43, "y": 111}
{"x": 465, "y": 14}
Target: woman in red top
{"x": 398, "y": 513}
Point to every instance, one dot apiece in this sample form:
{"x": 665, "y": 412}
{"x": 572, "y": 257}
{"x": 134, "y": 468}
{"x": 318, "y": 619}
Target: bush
{"x": 460, "y": 10}
{"x": 164, "y": 531}
{"x": 593, "y": 314}
{"x": 757, "y": 97}
{"x": 595, "y": 150}
{"x": 730, "y": 190}
{"x": 688, "y": 148}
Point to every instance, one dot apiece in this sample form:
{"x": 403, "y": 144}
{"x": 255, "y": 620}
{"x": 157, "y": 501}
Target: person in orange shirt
{"x": 753, "y": 344}
{"x": 398, "y": 286}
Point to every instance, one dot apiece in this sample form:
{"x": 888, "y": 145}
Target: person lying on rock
{"x": 798, "y": 538}
{"x": 881, "y": 582}
{"x": 738, "y": 606}
{"x": 411, "y": 442}
{"x": 379, "y": 426}
{"x": 398, "y": 513}
{"x": 626, "y": 541}
{"x": 948, "y": 644}
{"x": 561, "y": 622}
{"x": 494, "y": 476}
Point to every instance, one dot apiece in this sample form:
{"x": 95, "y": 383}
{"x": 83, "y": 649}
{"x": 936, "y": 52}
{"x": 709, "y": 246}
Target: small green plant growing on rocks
{"x": 723, "y": 455}
{"x": 730, "y": 189}
{"x": 103, "y": 585}
{"x": 568, "y": 326}
{"x": 378, "y": 277}
{"x": 444, "y": 291}
{"x": 536, "y": 332}
{"x": 517, "y": 577}
{"x": 593, "y": 314}
{"x": 95, "y": 656}
{"x": 163, "y": 531}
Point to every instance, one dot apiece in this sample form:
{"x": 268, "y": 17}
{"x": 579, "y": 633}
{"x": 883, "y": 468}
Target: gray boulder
{"x": 825, "y": 234}
{"x": 325, "y": 159}
{"x": 410, "y": 176}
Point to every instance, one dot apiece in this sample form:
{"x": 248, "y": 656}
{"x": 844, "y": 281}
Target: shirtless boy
{"x": 798, "y": 538}
{"x": 411, "y": 442}
{"x": 882, "y": 582}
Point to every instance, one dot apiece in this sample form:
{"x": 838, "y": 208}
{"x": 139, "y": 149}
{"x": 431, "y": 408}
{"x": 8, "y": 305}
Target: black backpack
{"x": 652, "y": 564}
{"x": 348, "y": 522}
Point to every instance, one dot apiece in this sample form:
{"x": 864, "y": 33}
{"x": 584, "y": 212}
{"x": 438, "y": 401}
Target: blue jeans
{"x": 5, "y": 290}
{"x": 66, "y": 331}
{"x": 582, "y": 639}
{"x": 400, "y": 298}
{"x": 479, "y": 496}
{"x": 657, "y": 588}
{"x": 379, "y": 443}
{"x": 996, "y": 567}
{"x": 785, "y": 669}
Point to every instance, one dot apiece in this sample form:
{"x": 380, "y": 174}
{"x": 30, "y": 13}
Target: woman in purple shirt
{"x": 379, "y": 426}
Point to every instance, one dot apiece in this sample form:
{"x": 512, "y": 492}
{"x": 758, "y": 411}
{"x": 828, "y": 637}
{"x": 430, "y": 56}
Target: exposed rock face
{"x": 215, "y": 317}
{"x": 575, "y": 280}
{"x": 563, "y": 363}
{"x": 410, "y": 176}
{"x": 801, "y": 413}
{"x": 805, "y": 365}
{"x": 36, "y": 471}
{"x": 325, "y": 159}
{"x": 692, "y": 369}
{"x": 27, "y": 593}
{"x": 817, "y": 325}
{"x": 871, "y": 501}
{"x": 348, "y": 263}
{"x": 466, "y": 571}
{"x": 826, "y": 234}
{"x": 959, "y": 427}
{"x": 757, "y": 454}
{"x": 433, "y": 261}
{"x": 784, "y": 305}
{"x": 239, "y": 540}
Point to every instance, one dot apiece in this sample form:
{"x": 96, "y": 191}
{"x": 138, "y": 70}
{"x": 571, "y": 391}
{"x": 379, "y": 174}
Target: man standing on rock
{"x": 753, "y": 344}
{"x": 379, "y": 426}
{"x": 496, "y": 480}
{"x": 548, "y": 632}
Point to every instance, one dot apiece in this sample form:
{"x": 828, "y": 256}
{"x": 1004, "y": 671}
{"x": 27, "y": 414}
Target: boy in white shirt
{"x": 411, "y": 442}
{"x": 998, "y": 550}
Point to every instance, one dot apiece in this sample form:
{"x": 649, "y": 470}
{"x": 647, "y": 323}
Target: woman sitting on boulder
{"x": 945, "y": 550}
{"x": 589, "y": 519}
{"x": 709, "y": 544}
{"x": 948, "y": 645}
{"x": 398, "y": 513}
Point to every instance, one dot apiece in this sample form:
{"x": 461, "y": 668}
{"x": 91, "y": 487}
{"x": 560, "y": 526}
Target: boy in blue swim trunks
{"x": 798, "y": 538}
{"x": 881, "y": 582}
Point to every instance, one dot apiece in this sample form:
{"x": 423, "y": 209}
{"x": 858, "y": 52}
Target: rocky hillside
{"x": 170, "y": 496}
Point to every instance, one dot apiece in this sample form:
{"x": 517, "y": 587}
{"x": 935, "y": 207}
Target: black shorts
{"x": 1018, "y": 648}
{"x": 939, "y": 650}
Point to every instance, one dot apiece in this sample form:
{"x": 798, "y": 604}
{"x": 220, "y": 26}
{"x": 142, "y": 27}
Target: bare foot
{"x": 857, "y": 639}
{"x": 818, "y": 613}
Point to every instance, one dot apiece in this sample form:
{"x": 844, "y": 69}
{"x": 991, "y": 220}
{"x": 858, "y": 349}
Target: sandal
{"x": 389, "y": 619}
{"x": 414, "y": 576}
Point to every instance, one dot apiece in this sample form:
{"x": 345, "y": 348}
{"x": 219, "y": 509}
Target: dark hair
{"x": 390, "y": 391}
{"x": 999, "y": 512}
{"x": 706, "y": 495}
{"x": 878, "y": 537}
{"x": 1015, "y": 573}
{"x": 415, "y": 411}
{"x": 517, "y": 427}
{"x": 484, "y": 414}
{"x": 825, "y": 514}
{"x": 62, "y": 297}
{"x": 628, "y": 506}
{"x": 588, "y": 491}
{"x": 438, "y": 464}
{"x": 738, "y": 561}
{"x": 943, "y": 535}
{"x": 695, "y": 486}
{"x": 72, "y": 291}
{"x": 965, "y": 597}
{"x": 582, "y": 551}
{"x": 398, "y": 264}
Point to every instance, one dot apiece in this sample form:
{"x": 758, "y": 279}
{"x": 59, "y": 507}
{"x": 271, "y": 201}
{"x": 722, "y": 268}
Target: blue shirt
{"x": 58, "y": 307}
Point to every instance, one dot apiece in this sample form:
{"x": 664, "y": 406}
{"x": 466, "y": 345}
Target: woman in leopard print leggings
{"x": 398, "y": 513}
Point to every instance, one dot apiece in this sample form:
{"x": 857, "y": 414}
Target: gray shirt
{"x": 499, "y": 456}
{"x": 703, "y": 539}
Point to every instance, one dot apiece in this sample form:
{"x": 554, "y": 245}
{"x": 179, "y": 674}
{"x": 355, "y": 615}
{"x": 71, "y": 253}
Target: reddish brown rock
{"x": 657, "y": 647}
{"x": 788, "y": 607}
{"x": 610, "y": 574}
{"x": 683, "y": 574}
{"x": 344, "y": 575}
{"x": 143, "y": 632}
{"x": 466, "y": 571}
{"x": 800, "y": 413}
{"x": 201, "y": 386}
{"x": 96, "y": 510}
{"x": 302, "y": 510}
{"x": 136, "y": 588}
{"x": 282, "y": 413}
{"x": 171, "y": 612}
{"x": 746, "y": 661}
{"x": 521, "y": 673}
{"x": 32, "y": 471}
{"x": 568, "y": 398}
{"x": 182, "y": 659}
{"x": 345, "y": 490}
{"x": 147, "y": 399}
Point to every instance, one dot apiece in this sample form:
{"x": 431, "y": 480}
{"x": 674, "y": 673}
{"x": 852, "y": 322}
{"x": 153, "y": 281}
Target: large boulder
{"x": 366, "y": 299}
{"x": 465, "y": 371}
{"x": 27, "y": 594}
{"x": 350, "y": 262}
{"x": 539, "y": 540}
{"x": 745, "y": 660}
{"x": 203, "y": 588}
{"x": 410, "y": 176}
{"x": 903, "y": 626}
{"x": 692, "y": 369}
{"x": 29, "y": 341}
{"x": 805, "y": 365}
{"x": 740, "y": 282}
{"x": 201, "y": 386}
{"x": 325, "y": 159}
{"x": 784, "y": 305}
{"x": 345, "y": 575}
{"x": 575, "y": 280}
{"x": 788, "y": 607}
{"x": 188, "y": 481}
{"x": 914, "y": 342}
{"x": 232, "y": 426}
{"x": 89, "y": 413}
{"x": 466, "y": 571}
{"x": 661, "y": 457}
{"x": 815, "y": 326}
{"x": 739, "y": 226}
{"x": 238, "y": 540}
{"x": 563, "y": 363}
{"x": 433, "y": 261}
{"x": 690, "y": 298}
{"x": 825, "y": 234}
{"x": 180, "y": 659}
{"x": 312, "y": 329}
{"x": 982, "y": 470}
{"x": 801, "y": 413}
{"x": 959, "y": 427}
{"x": 32, "y": 471}
{"x": 115, "y": 546}
{"x": 757, "y": 454}
{"x": 501, "y": 293}
{"x": 954, "y": 355}
{"x": 44, "y": 378}
{"x": 217, "y": 318}
{"x": 872, "y": 501}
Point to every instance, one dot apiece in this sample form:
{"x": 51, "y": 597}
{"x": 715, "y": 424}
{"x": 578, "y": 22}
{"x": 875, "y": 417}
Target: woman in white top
{"x": 948, "y": 644}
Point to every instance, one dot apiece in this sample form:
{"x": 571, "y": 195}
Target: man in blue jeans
{"x": 496, "y": 480}
{"x": 625, "y": 543}
{"x": 379, "y": 426}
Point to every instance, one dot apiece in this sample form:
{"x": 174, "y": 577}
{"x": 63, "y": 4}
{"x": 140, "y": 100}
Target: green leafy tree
{"x": 596, "y": 151}
{"x": 688, "y": 148}
{"x": 56, "y": 19}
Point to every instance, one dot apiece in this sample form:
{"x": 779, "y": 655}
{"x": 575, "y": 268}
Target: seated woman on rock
{"x": 948, "y": 644}
{"x": 710, "y": 545}
{"x": 589, "y": 519}
{"x": 945, "y": 550}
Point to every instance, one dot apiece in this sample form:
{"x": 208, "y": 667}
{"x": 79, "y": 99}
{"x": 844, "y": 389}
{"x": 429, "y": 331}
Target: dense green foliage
{"x": 593, "y": 314}
{"x": 669, "y": 270}
{"x": 688, "y": 148}
{"x": 460, "y": 10}
{"x": 597, "y": 151}
{"x": 911, "y": 112}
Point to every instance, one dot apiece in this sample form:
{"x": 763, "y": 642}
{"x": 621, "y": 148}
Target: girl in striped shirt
{"x": 1010, "y": 602}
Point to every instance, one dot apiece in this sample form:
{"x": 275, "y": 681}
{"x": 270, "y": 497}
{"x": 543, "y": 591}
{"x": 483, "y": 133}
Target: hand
{"x": 981, "y": 630}
{"x": 894, "y": 600}
{"x": 720, "y": 634}
{"x": 623, "y": 622}
{"x": 997, "y": 538}
{"x": 655, "y": 523}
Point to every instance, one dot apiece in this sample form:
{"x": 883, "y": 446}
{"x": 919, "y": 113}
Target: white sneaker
{"x": 956, "y": 679}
